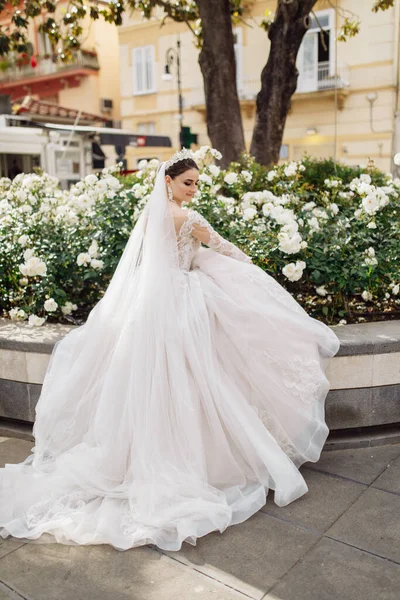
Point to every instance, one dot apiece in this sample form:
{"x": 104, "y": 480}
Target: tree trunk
{"x": 218, "y": 66}
{"x": 279, "y": 78}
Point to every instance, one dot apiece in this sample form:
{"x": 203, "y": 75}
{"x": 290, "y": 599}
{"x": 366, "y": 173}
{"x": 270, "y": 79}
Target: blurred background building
{"x": 346, "y": 101}
{"x": 63, "y": 116}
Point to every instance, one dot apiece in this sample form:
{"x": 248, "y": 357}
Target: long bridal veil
{"x": 81, "y": 389}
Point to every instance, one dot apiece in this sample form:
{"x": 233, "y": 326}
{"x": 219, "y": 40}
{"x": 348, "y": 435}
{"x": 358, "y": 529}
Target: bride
{"x": 196, "y": 385}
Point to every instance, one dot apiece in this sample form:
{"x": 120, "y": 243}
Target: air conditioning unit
{"x": 106, "y": 104}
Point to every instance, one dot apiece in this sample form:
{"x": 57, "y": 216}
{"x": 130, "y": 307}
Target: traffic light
{"x": 187, "y": 137}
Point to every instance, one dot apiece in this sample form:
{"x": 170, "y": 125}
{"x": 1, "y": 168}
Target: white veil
{"x": 139, "y": 301}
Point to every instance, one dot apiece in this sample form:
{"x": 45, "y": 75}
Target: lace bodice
{"x": 197, "y": 229}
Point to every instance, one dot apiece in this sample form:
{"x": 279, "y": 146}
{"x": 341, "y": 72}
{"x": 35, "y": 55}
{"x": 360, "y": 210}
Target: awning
{"x": 113, "y": 137}
{"x": 38, "y": 108}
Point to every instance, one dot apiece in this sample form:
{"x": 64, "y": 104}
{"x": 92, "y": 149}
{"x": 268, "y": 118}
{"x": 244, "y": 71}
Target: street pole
{"x": 174, "y": 55}
{"x": 180, "y": 97}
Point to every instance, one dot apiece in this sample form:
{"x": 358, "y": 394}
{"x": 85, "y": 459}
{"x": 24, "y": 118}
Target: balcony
{"x": 48, "y": 77}
{"x": 319, "y": 82}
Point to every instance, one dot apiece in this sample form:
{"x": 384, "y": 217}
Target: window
{"x": 284, "y": 152}
{"x": 44, "y": 44}
{"x": 315, "y": 60}
{"x": 143, "y": 62}
{"x": 238, "y": 48}
{"x": 146, "y": 128}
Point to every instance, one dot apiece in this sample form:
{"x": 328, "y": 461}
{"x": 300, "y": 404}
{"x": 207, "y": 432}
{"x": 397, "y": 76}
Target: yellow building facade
{"x": 347, "y": 99}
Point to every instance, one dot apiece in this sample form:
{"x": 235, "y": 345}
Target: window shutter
{"x": 137, "y": 63}
{"x": 150, "y": 77}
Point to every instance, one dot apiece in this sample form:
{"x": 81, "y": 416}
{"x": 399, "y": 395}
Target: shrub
{"x": 327, "y": 232}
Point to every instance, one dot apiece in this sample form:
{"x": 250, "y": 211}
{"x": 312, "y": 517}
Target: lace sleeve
{"x": 201, "y": 229}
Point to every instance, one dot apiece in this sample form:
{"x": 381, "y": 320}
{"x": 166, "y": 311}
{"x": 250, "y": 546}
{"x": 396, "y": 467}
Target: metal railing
{"x": 249, "y": 88}
{"x": 46, "y": 66}
{"x": 327, "y": 81}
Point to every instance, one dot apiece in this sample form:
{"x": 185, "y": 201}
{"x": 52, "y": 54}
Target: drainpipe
{"x": 396, "y": 73}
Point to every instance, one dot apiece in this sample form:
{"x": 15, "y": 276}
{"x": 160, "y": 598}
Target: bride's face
{"x": 184, "y": 186}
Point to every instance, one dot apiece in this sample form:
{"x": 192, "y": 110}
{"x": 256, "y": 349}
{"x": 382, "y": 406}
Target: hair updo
{"x": 180, "y": 167}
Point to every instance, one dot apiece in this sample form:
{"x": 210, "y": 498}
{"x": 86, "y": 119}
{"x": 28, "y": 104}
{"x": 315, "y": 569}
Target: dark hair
{"x": 180, "y": 167}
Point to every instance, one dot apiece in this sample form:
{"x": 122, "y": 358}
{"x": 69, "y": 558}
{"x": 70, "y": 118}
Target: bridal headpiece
{"x": 178, "y": 156}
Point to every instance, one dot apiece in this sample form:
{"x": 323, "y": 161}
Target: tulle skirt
{"x": 143, "y": 438}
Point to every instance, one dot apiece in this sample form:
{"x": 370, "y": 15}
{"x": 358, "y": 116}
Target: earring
{"x": 170, "y": 193}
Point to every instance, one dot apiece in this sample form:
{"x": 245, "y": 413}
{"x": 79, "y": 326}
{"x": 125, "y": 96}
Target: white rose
{"x": 334, "y": 208}
{"x": 17, "y": 314}
{"x": 214, "y": 170}
{"x": 247, "y": 176}
{"x": 68, "y": 308}
{"x": 50, "y": 305}
{"x": 313, "y": 222}
{"x": 370, "y": 204}
{"x": 142, "y": 164}
{"x": 342, "y": 322}
{"x": 23, "y": 281}
{"x": 266, "y": 208}
{"x": 308, "y": 206}
{"x": 365, "y": 178}
{"x": 97, "y": 264}
{"x": 294, "y": 271}
{"x": 370, "y": 251}
{"x": 83, "y": 258}
{"x": 22, "y": 240}
{"x": 358, "y": 213}
{"x": 289, "y": 244}
{"x": 112, "y": 182}
{"x": 271, "y": 175}
{"x": 26, "y": 208}
{"x": 367, "y": 296}
{"x": 371, "y": 225}
{"x": 91, "y": 179}
{"x": 94, "y": 249}
{"x": 249, "y": 213}
{"x": 321, "y": 291}
{"x": 28, "y": 253}
{"x": 33, "y": 266}
{"x": 396, "y": 289}
{"x": 216, "y": 154}
{"x": 231, "y": 178}
{"x": 205, "y": 178}
{"x": 35, "y": 321}
{"x": 291, "y": 169}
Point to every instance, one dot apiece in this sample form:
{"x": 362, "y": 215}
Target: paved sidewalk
{"x": 339, "y": 541}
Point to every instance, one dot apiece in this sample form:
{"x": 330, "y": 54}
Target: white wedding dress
{"x": 175, "y": 424}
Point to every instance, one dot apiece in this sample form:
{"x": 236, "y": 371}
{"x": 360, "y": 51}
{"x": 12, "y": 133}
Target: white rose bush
{"x": 59, "y": 249}
{"x": 330, "y": 234}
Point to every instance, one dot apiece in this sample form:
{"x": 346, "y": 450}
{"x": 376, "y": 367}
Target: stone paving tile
{"x": 390, "y": 478}
{"x": 61, "y": 572}
{"x": 334, "y": 571}
{"x": 328, "y": 497}
{"x": 14, "y": 450}
{"x": 8, "y": 594}
{"x": 8, "y": 545}
{"x": 360, "y": 464}
{"x": 251, "y": 556}
{"x": 372, "y": 523}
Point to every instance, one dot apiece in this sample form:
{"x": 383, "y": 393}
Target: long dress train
{"x": 230, "y": 403}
